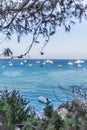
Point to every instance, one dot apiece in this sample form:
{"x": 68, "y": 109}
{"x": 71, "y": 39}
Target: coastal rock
{"x": 62, "y": 112}
{"x": 17, "y": 128}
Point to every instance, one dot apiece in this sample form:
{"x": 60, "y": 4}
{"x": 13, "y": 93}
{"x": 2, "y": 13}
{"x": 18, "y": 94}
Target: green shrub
{"x": 48, "y": 110}
{"x": 56, "y": 121}
{"x": 14, "y": 107}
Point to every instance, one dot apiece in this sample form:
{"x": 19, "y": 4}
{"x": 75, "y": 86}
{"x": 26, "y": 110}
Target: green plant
{"x": 48, "y": 110}
{"x": 56, "y": 120}
{"x": 14, "y": 107}
{"x": 50, "y": 127}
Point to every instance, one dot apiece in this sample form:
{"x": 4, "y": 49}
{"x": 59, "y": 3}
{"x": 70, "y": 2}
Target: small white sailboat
{"x": 49, "y": 61}
{"x": 79, "y": 65}
{"x": 79, "y": 61}
{"x": 25, "y": 61}
{"x": 10, "y": 64}
{"x": 44, "y": 99}
{"x": 3, "y": 66}
{"x": 70, "y": 63}
{"x": 38, "y": 62}
{"x": 29, "y": 64}
{"x": 44, "y": 63}
{"x": 21, "y": 63}
{"x": 59, "y": 66}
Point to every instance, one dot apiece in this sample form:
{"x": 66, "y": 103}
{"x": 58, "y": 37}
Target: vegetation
{"x": 39, "y": 18}
{"x": 16, "y": 112}
{"x": 14, "y": 107}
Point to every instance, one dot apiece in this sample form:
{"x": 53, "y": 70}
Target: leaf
{"x": 37, "y": 42}
{"x": 18, "y": 38}
{"x": 72, "y": 22}
{"x": 67, "y": 28}
{"x": 46, "y": 40}
{"x": 52, "y": 33}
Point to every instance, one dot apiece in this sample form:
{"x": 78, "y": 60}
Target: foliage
{"x": 48, "y": 110}
{"x": 15, "y": 112}
{"x": 51, "y": 128}
{"x": 39, "y": 17}
{"x": 7, "y": 52}
{"x": 76, "y": 118}
{"x": 14, "y": 107}
{"x": 56, "y": 121}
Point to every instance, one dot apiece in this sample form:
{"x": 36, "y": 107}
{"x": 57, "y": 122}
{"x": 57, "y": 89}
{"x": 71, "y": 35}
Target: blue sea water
{"x": 33, "y": 80}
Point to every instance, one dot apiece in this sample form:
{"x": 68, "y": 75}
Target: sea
{"x": 37, "y": 77}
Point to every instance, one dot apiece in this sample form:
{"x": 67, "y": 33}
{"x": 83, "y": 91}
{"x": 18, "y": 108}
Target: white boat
{"x": 30, "y": 65}
{"x": 70, "y": 63}
{"x": 21, "y": 63}
{"x": 59, "y": 66}
{"x": 79, "y": 65}
{"x": 38, "y": 62}
{"x": 44, "y": 99}
{"x": 49, "y": 61}
{"x": 3, "y": 66}
{"x": 11, "y": 64}
{"x": 44, "y": 63}
{"x": 79, "y": 61}
{"x": 25, "y": 61}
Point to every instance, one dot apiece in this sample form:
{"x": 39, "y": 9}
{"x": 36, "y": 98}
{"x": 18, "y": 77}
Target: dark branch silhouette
{"x": 7, "y": 52}
{"x": 39, "y": 17}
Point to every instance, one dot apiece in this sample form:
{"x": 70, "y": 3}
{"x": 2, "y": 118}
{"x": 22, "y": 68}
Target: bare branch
{"x": 40, "y": 17}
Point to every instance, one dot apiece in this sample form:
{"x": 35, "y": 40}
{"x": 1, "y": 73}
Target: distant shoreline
{"x": 7, "y": 58}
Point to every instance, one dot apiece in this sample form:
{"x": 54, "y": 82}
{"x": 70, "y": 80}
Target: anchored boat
{"x": 44, "y": 99}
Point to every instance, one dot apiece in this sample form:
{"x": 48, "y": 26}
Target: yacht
{"x": 25, "y": 61}
{"x": 70, "y": 63}
{"x": 38, "y": 62}
{"x": 11, "y": 64}
{"x": 3, "y": 66}
{"x": 49, "y": 61}
{"x": 21, "y": 63}
{"x": 79, "y": 61}
{"x": 59, "y": 66}
{"x": 29, "y": 64}
{"x": 79, "y": 65}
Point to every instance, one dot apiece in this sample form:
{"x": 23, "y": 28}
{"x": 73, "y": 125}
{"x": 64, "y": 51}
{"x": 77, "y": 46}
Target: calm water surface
{"x": 33, "y": 80}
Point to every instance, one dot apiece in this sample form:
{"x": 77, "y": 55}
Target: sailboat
{"x": 49, "y": 61}
{"x": 79, "y": 61}
{"x": 70, "y": 63}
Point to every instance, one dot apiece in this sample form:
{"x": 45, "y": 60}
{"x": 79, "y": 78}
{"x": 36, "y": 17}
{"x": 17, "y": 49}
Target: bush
{"x": 48, "y": 110}
{"x": 56, "y": 121}
{"x": 14, "y": 107}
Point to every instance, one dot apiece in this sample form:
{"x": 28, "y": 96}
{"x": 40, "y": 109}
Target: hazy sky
{"x": 61, "y": 45}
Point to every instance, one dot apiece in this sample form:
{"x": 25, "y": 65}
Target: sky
{"x": 62, "y": 45}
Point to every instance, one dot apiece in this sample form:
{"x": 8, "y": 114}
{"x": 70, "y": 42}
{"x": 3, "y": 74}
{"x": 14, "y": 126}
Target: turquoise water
{"x": 33, "y": 81}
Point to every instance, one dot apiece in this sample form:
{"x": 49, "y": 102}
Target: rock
{"x": 17, "y": 128}
{"x": 62, "y": 112}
